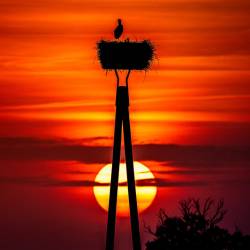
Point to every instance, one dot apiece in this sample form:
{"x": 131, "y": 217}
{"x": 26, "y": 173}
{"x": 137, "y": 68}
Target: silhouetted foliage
{"x": 196, "y": 229}
{"x": 125, "y": 54}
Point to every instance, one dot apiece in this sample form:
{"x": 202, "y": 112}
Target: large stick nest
{"x": 125, "y": 54}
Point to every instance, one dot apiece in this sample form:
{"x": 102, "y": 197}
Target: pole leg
{"x": 117, "y": 78}
{"x": 114, "y": 182}
{"x": 134, "y": 220}
{"x": 127, "y": 77}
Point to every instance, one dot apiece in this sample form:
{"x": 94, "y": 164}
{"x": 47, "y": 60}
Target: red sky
{"x": 57, "y": 113}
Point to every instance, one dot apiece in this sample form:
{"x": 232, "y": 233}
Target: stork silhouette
{"x": 118, "y": 30}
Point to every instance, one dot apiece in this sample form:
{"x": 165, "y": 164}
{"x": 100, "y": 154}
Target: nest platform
{"x": 125, "y": 55}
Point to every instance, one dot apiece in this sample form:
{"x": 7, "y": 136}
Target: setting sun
{"x": 145, "y": 194}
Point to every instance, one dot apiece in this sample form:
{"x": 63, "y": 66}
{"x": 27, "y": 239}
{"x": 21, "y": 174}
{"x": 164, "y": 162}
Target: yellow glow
{"x": 145, "y": 194}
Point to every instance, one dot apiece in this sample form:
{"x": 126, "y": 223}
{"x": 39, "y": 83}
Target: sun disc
{"x": 145, "y": 194}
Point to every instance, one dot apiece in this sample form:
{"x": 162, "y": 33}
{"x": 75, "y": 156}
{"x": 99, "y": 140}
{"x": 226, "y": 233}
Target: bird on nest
{"x": 118, "y": 30}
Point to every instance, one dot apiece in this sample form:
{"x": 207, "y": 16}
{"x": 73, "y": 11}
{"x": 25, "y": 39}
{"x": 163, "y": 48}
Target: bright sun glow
{"x": 145, "y": 194}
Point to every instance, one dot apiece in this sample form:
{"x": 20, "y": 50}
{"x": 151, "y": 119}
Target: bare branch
{"x": 197, "y": 206}
{"x": 162, "y": 216}
{"x": 218, "y": 214}
{"x": 185, "y": 207}
{"x": 148, "y": 229}
{"x": 207, "y": 206}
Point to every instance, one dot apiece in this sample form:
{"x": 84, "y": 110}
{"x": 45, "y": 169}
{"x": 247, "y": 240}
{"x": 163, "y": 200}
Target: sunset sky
{"x": 190, "y": 114}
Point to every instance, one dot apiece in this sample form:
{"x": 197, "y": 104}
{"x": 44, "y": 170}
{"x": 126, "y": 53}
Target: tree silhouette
{"x": 196, "y": 229}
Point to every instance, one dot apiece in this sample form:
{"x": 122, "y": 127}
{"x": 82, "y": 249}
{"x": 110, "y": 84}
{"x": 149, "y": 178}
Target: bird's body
{"x": 118, "y": 30}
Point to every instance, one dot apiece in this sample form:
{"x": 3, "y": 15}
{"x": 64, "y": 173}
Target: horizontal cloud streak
{"x": 46, "y": 181}
{"x": 21, "y": 148}
{"x": 50, "y": 182}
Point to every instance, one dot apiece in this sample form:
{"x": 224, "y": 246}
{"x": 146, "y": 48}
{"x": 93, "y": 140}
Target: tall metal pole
{"x": 122, "y": 115}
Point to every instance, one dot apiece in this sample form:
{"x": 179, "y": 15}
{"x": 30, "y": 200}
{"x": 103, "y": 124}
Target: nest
{"x": 125, "y": 54}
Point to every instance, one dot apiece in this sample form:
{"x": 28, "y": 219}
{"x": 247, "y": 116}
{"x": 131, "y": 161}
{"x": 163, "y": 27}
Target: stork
{"x": 118, "y": 30}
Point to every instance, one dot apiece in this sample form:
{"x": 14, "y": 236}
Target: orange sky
{"x": 49, "y": 72}
{"x": 57, "y": 113}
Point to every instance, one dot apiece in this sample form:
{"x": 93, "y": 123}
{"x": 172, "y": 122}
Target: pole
{"x": 122, "y": 116}
{"x": 134, "y": 220}
{"x": 110, "y": 237}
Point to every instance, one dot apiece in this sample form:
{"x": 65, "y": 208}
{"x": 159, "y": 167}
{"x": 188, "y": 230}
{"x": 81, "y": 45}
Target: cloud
{"x": 169, "y": 183}
{"x": 46, "y": 181}
{"x": 78, "y": 172}
{"x": 190, "y": 172}
{"x": 24, "y": 148}
{"x": 195, "y": 156}
{"x": 187, "y": 160}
